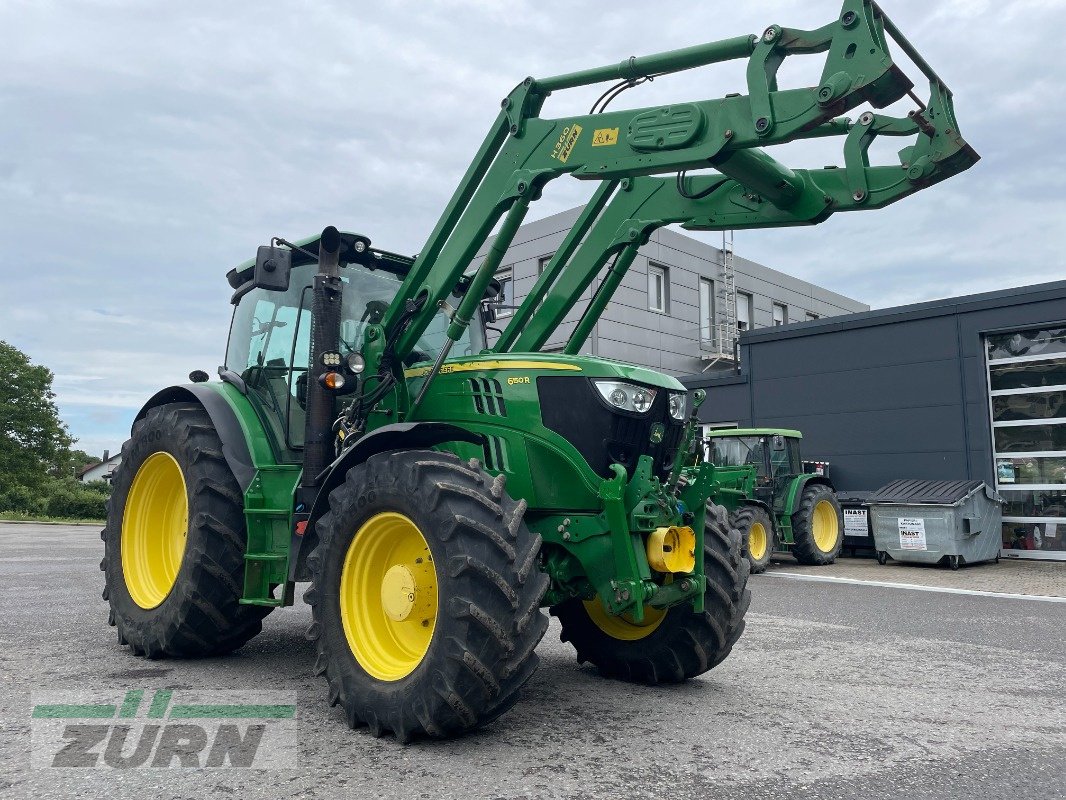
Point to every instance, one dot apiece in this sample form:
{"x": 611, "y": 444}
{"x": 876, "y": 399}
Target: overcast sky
{"x": 145, "y": 148}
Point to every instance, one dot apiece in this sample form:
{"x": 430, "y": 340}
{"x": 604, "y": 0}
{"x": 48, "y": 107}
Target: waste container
{"x": 858, "y": 535}
{"x": 929, "y": 521}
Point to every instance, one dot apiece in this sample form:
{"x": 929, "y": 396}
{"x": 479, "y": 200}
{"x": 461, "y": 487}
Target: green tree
{"x": 34, "y": 442}
{"x": 77, "y": 459}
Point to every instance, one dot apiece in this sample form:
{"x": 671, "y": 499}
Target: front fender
{"x": 398, "y": 436}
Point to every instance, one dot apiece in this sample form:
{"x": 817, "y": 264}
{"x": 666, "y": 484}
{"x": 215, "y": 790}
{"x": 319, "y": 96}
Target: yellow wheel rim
{"x": 388, "y": 596}
{"x": 757, "y": 541}
{"x": 825, "y": 526}
{"x": 623, "y": 627}
{"x": 155, "y": 524}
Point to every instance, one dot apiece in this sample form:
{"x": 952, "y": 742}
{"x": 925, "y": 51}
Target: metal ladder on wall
{"x": 728, "y": 293}
{"x": 725, "y": 332}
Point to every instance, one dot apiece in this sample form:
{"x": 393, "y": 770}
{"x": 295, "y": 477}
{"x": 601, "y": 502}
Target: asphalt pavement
{"x": 836, "y": 690}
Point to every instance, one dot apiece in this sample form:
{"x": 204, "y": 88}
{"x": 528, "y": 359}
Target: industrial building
{"x": 964, "y": 388}
{"x": 680, "y": 305}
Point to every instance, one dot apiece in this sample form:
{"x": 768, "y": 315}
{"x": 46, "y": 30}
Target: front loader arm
{"x": 523, "y": 152}
{"x": 638, "y": 206}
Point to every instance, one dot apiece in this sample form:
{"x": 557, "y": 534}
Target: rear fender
{"x": 799, "y": 486}
{"x": 223, "y": 417}
{"x": 795, "y": 492}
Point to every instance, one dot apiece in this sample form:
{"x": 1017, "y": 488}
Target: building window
{"x": 657, "y": 288}
{"x": 506, "y": 297}
{"x": 706, "y": 311}
{"x": 780, "y": 314}
{"x": 542, "y": 263}
{"x": 744, "y": 312}
{"x": 811, "y": 316}
{"x": 1027, "y": 405}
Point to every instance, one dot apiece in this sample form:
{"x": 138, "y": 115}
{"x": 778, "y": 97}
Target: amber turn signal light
{"x": 333, "y": 381}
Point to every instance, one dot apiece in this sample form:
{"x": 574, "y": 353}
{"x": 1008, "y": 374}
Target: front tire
{"x": 757, "y": 533}
{"x": 817, "y": 526}
{"x": 425, "y": 596}
{"x": 174, "y": 541}
{"x": 673, "y": 645}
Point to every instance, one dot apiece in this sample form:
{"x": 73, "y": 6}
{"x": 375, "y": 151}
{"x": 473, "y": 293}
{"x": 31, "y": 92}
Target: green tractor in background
{"x": 774, "y": 504}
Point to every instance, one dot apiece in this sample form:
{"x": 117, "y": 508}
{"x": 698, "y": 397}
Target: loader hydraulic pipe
{"x": 671, "y": 61}
{"x": 760, "y": 172}
{"x": 556, "y": 265}
{"x": 475, "y": 293}
{"x": 600, "y": 300}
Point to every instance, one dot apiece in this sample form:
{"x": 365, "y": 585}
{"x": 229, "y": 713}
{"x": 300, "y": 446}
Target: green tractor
{"x": 438, "y": 491}
{"x": 772, "y": 502}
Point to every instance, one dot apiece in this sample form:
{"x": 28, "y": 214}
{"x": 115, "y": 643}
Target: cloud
{"x": 147, "y": 147}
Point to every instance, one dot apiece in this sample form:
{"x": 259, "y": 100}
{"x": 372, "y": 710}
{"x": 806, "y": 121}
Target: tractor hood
{"x": 551, "y": 364}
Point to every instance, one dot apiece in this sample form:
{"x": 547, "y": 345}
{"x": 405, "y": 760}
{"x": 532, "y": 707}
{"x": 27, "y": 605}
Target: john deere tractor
{"x": 775, "y": 505}
{"x": 438, "y": 492}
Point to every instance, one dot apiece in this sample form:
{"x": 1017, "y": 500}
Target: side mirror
{"x": 272, "y": 266}
{"x": 492, "y": 290}
{"x": 777, "y": 443}
{"x": 488, "y": 313}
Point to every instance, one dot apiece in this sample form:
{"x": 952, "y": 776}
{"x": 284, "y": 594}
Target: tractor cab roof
{"x": 351, "y": 252}
{"x": 355, "y": 249}
{"x": 786, "y": 432}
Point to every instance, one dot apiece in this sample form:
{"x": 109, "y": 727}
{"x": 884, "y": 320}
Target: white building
{"x": 101, "y": 471}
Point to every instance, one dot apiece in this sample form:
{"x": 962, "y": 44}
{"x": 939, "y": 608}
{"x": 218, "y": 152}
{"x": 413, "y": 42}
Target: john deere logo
{"x": 164, "y": 728}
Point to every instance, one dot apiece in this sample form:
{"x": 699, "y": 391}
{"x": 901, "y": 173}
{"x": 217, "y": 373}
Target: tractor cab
{"x": 269, "y": 349}
{"x": 774, "y": 455}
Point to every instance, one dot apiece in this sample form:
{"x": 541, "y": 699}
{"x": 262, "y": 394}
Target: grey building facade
{"x": 681, "y": 303}
{"x": 965, "y": 388}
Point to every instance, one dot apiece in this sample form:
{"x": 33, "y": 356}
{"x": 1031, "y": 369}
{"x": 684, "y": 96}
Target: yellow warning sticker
{"x": 602, "y": 137}
{"x": 567, "y": 140}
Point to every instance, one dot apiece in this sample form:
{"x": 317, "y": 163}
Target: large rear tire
{"x": 174, "y": 541}
{"x": 673, "y": 645}
{"x": 757, "y": 534}
{"x": 425, "y": 595}
{"x": 817, "y": 526}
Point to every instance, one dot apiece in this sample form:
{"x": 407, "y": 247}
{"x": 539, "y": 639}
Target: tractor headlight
{"x": 626, "y": 396}
{"x": 356, "y": 363}
{"x": 677, "y": 405}
{"x": 642, "y": 400}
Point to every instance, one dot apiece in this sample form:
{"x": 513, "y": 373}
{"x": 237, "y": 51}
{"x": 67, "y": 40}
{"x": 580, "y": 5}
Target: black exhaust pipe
{"x": 325, "y": 336}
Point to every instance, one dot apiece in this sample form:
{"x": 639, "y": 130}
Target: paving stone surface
{"x": 1009, "y": 576}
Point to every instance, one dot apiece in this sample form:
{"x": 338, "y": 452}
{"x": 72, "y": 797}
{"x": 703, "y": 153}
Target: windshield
{"x": 736, "y": 451}
{"x": 270, "y": 339}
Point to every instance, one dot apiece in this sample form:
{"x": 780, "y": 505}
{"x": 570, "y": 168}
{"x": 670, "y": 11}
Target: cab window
{"x": 270, "y": 341}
